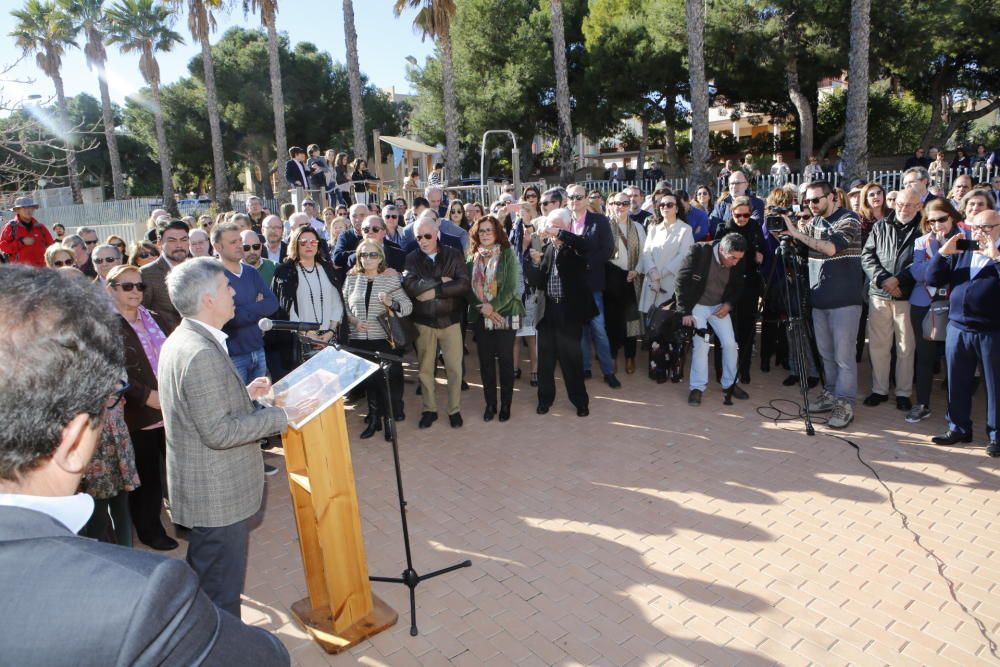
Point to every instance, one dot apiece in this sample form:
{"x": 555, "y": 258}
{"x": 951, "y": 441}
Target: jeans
{"x": 595, "y": 329}
{"x": 723, "y": 328}
{"x": 836, "y": 332}
{"x": 251, "y": 365}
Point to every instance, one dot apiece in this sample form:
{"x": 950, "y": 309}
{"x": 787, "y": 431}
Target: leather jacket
{"x": 422, "y": 274}
{"x": 888, "y": 253}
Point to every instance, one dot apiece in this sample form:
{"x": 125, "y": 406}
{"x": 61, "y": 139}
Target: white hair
{"x": 359, "y": 207}
{"x": 187, "y": 283}
{"x": 563, "y": 215}
{"x": 424, "y": 222}
{"x": 432, "y": 188}
{"x": 197, "y": 232}
{"x": 295, "y": 218}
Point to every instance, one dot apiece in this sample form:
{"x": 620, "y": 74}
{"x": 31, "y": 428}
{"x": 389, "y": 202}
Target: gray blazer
{"x": 215, "y": 470}
{"x": 109, "y": 605}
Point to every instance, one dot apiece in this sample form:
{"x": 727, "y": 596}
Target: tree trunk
{"x": 562, "y": 93}
{"x": 74, "y": 176}
{"x": 528, "y": 159}
{"x": 694, "y": 11}
{"x": 672, "y": 157}
{"x": 163, "y": 148}
{"x": 937, "y": 110}
{"x": 802, "y": 109}
{"x": 277, "y": 102}
{"x": 856, "y": 143}
{"x": 452, "y": 151}
{"x": 117, "y": 181}
{"x": 354, "y": 80}
{"x": 212, "y": 102}
{"x": 643, "y": 148}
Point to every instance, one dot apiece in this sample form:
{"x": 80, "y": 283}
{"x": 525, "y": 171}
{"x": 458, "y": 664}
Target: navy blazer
{"x": 599, "y": 246}
{"x": 109, "y": 605}
{"x": 973, "y": 301}
{"x": 294, "y": 176}
{"x": 395, "y": 258}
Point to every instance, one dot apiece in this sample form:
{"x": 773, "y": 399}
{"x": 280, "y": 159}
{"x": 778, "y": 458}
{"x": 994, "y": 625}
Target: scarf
{"x": 631, "y": 244}
{"x": 484, "y": 273}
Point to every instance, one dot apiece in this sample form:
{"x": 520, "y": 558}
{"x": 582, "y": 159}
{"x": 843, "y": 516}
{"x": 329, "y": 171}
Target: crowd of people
{"x": 561, "y": 276}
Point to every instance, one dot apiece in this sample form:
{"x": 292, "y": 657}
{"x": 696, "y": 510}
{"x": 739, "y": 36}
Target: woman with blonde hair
{"x": 57, "y": 256}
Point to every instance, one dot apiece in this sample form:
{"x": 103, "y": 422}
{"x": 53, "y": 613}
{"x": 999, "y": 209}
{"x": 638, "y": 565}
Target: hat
{"x": 24, "y": 202}
{"x": 856, "y": 186}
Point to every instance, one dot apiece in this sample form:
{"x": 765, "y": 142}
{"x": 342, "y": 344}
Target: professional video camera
{"x": 774, "y": 220}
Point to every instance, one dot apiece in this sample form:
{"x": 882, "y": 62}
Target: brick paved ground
{"x": 653, "y": 533}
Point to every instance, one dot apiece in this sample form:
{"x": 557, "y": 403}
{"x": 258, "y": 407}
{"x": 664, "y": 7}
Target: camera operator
{"x": 836, "y": 290}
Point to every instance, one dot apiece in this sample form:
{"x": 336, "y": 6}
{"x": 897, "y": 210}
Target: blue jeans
{"x": 251, "y": 365}
{"x": 725, "y": 337}
{"x": 836, "y": 332}
{"x": 595, "y": 329}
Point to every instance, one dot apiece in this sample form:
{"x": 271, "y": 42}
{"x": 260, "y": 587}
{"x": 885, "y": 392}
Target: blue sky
{"x": 383, "y": 44}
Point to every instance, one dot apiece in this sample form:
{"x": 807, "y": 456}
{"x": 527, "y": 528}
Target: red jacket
{"x": 18, "y": 251}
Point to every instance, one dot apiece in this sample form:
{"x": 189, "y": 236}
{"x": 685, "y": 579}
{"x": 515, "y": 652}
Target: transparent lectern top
{"x": 317, "y": 383}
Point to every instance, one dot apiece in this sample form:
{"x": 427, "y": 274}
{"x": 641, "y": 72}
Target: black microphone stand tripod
{"x": 410, "y": 577}
{"x": 798, "y": 326}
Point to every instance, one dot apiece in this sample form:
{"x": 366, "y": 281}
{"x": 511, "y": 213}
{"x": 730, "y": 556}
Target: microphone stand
{"x": 410, "y": 577}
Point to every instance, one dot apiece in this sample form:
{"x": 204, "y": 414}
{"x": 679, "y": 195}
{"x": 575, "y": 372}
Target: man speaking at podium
{"x": 215, "y": 470}
{"x": 67, "y": 599}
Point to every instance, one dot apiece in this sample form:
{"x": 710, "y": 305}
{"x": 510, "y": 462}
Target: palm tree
{"x": 201, "y": 22}
{"x": 434, "y": 21}
{"x": 88, "y": 16}
{"x": 562, "y": 92}
{"x": 354, "y": 81}
{"x": 44, "y": 29}
{"x": 268, "y": 9}
{"x": 695, "y": 14}
{"x": 856, "y": 142}
{"x": 140, "y": 26}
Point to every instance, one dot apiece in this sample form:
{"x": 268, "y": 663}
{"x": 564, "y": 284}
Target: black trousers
{"x": 496, "y": 346}
{"x": 374, "y": 384}
{"x": 927, "y": 354}
{"x": 146, "y": 502}
{"x": 619, "y": 299}
{"x": 559, "y": 340}
{"x": 219, "y": 557}
{"x": 744, "y": 316}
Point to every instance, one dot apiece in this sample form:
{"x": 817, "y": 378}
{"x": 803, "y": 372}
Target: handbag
{"x": 935, "y": 324}
{"x": 399, "y": 331}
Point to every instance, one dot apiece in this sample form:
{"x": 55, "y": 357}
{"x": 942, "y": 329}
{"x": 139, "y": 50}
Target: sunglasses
{"x": 391, "y": 217}
{"x": 814, "y": 200}
{"x": 595, "y": 198}
{"x": 308, "y": 242}
{"x": 943, "y": 218}
{"x": 253, "y": 246}
{"x": 116, "y": 397}
{"x": 531, "y": 195}
{"x": 128, "y": 287}
{"x": 804, "y": 216}
{"x": 91, "y": 242}
{"x": 147, "y": 255}
{"x": 547, "y": 202}
{"x": 619, "y": 203}
{"x": 741, "y": 216}
{"x": 369, "y": 255}
{"x": 372, "y": 229}
{"x": 59, "y": 264}
{"x": 106, "y": 260}
{"x": 576, "y": 197}
{"x": 426, "y": 237}
{"x": 668, "y": 204}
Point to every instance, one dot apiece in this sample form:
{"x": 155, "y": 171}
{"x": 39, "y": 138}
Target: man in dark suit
{"x": 374, "y": 228}
{"x": 560, "y": 272}
{"x": 595, "y": 229}
{"x": 349, "y": 239}
{"x": 295, "y": 169}
{"x": 173, "y": 242}
{"x": 443, "y": 239}
{"x": 709, "y": 284}
{"x": 151, "y": 610}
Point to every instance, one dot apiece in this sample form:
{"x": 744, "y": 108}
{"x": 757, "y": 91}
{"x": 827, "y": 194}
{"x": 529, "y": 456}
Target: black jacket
{"x": 753, "y": 235}
{"x": 693, "y": 273}
{"x": 599, "y": 248}
{"x": 571, "y": 262}
{"x": 395, "y": 258}
{"x": 888, "y": 253}
{"x": 423, "y": 274}
{"x": 285, "y": 286}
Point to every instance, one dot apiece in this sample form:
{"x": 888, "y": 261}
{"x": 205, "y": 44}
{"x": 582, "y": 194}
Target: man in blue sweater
{"x": 253, "y": 299}
{"x": 973, "y": 279}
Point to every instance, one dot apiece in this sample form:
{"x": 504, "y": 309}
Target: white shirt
{"x": 979, "y": 262}
{"x": 274, "y": 256}
{"x": 71, "y": 511}
{"x": 217, "y": 334}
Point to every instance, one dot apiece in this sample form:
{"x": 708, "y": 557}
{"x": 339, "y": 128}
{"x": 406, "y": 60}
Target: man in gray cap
{"x": 24, "y": 239}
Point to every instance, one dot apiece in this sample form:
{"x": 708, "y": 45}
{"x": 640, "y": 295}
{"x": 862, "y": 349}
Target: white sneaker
{"x": 825, "y": 402}
{"x": 843, "y": 414}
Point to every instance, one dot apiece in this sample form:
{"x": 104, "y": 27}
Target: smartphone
{"x": 965, "y": 245}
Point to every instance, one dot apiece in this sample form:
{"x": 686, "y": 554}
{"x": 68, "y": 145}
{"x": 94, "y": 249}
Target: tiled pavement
{"x": 653, "y": 533}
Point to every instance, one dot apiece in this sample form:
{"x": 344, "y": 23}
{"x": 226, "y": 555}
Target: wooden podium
{"x": 341, "y": 609}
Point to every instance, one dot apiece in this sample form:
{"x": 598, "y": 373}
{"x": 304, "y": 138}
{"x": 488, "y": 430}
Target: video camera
{"x": 774, "y": 220}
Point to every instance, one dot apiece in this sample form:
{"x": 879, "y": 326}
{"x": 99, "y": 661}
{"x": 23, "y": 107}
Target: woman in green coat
{"x": 495, "y": 310}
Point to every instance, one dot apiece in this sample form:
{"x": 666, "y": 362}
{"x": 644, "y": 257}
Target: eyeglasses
{"x": 91, "y": 242}
{"x": 369, "y": 255}
{"x": 667, "y": 204}
{"x": 58, "y": 264}
{"x": 547, "y": 202}
{"x": 106, "y": 260}
{"x": 530, "y": 195}
{"x": 619, "y": 203}
{"x": 576, "y": 197}
{"x": 814, "y": 200}
{"x": 117, "y": 395}
{"x": 595, "y": 197}
{"x": 983, "y": 228}
{"x": 426, "y": 237}
{"x": 391, "y": 217}
{"x": 128, "y": 287}
{"x": 252, "y": 246}
{"x": 373, "y": 229}
{"x": 308, "y": 242}
{"x": 938, "y": 220}
{"x": 732, "y": 183}
{"x": 741, "y": 216}
{"x": 148, "y": 254}
{"x": 486, "y": 230}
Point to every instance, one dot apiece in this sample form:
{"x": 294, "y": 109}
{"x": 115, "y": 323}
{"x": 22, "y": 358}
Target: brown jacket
{"x": 141, "y": 378}
{"x": 156, "y": 297}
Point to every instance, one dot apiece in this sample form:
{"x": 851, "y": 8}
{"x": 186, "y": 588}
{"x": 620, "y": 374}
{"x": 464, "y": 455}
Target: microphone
{"x": 284, "y": 325}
